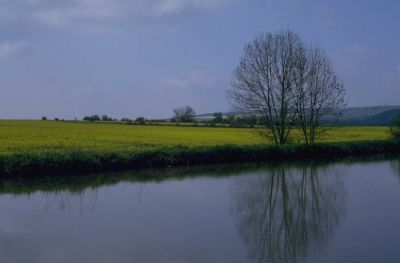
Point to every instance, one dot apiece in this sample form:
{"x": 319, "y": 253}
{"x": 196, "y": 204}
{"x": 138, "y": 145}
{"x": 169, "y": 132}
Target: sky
{"x": 130, "y": 58}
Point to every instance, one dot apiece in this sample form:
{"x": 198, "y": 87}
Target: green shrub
{"x": 395, "y": 129}
{"x": 396, "y": 134}
{"x": 140, "y": 120}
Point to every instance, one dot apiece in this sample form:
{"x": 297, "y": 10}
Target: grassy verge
{"x": 77, "y": 161}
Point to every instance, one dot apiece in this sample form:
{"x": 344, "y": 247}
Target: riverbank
{"x": 79, "y": 161}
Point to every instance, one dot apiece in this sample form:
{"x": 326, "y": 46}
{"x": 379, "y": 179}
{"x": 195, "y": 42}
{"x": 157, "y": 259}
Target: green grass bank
{"x": 77, "y": 161}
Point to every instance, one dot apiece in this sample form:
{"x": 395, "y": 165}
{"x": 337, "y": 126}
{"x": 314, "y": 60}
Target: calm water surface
{"x": 343, "y": 212}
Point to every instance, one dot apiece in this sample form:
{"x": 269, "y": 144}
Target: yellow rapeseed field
{"x": 36, "y": 136}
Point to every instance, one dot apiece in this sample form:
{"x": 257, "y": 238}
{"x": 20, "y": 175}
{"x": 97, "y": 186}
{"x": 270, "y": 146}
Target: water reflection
{"x": 80, "y": 193}
{"x": 282, "y": 215}
{"x": 69, "y": 201}
{"x": 395, "y": 164}
{"x": 63, "y": 194}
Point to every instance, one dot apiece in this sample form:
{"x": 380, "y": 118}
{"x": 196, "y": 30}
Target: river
{"x": 329, "y": 212}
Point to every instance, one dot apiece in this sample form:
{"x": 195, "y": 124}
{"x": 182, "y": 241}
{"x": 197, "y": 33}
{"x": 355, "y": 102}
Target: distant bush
{"x": 140, "y": 120}
{"x": 106, "y": 118}
{"x": 218, "y": 117}
{"x": 96, "y": 117}
{"x": 44, "y": 118}
{"x": 56, "y": 119}
{"x": 92, "y": 118}
{"x": 127, "y": 120}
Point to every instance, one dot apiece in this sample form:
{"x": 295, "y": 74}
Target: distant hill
{"x": 382, "y": 118}
{"x": 365, "y": 112}
{"x": 376, "y": 115}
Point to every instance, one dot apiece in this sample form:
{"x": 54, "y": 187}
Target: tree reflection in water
{"x": 70, "y": 201}
{"x": 283, "y": 215}
{"x": 395, "y": 164}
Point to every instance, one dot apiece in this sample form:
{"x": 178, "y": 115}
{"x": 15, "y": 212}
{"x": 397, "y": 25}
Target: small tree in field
{"x": 105, "y": 117}
{"x": 140, "y": 120}
{"x": 184, "y": 114}
{"x": 218, "y": 117}
{"x": 92, "y": 118}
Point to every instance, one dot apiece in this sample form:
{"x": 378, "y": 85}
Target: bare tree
{"x": 287, "y": 84}
{"x": 318, "y": 91}
{"x": 263, "y": 82}
{"x": 184, "y": 114}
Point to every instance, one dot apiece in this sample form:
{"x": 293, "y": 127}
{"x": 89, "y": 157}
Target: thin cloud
{"x": 95, "y": 12}
{"x": 169, "y": 7}
{"x": 357, "y": 49}
{"x": 191, "y": 79}
{"x": 8, "y": 49}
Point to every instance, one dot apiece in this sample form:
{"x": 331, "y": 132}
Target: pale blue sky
{"x": 130, "y": 58}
